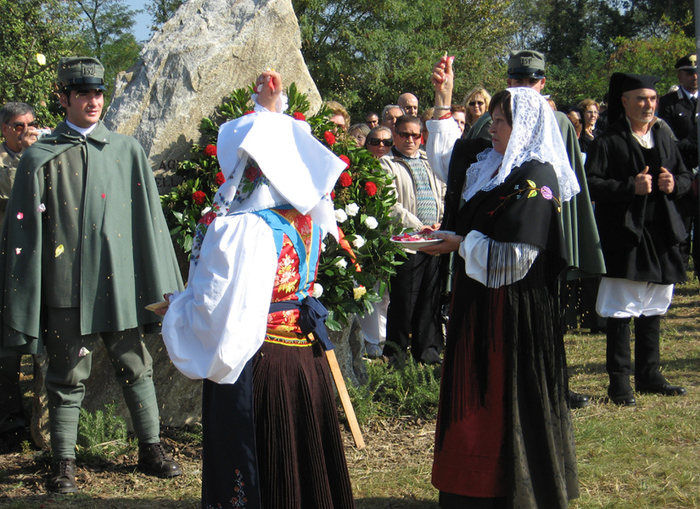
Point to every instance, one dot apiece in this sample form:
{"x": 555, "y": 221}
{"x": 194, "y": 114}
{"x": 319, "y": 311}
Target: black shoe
{"x": 665, "y": 389}
{"x": 624, "y": 399}
{"x": 154, "y": 460}
{"x": 62, "y": 479}
{"x": 577, "y": 400}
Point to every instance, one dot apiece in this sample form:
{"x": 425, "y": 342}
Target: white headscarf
{"x": 299, "y": 169}
{"x": 535, "y": 136}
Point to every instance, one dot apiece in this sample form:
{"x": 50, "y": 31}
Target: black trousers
{"x": 11, "y": 411}
{"x": 646, "y": 353}
{"x": 413, "y": 317}
{"x": 229, "y": 458}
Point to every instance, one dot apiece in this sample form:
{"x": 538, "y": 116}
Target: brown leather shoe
{"x": 62, "y": 479}
{"x": 154, "y": 460}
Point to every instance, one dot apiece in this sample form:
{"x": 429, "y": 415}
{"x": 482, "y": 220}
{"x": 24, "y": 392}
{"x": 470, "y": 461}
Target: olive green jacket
{"x": 84, "y": 228}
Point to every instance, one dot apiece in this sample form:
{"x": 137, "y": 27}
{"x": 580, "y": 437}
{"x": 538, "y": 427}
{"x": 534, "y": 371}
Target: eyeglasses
{"x": 18, "y": 127}
{"x": 375, "y": 142}
{"x": 415, "y": 136}
{"x": 474, "y": 103}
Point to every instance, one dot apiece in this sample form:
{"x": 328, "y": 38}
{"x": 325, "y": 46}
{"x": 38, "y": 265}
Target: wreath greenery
{"x": 352, "y": 273}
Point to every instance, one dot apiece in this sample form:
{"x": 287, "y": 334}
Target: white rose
{"x": 340, "y": 215}
{"x": 341, "y": 263}
{"x": 352, "y": 209}
{"x": 371, "y": 222}
{"x": 358, "y": 242}
{"x": 318, "y": 290}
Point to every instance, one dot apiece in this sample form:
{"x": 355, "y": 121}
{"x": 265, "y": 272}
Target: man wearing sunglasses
{"x": 86, "y": 248}
{"x": 19, "y": 132}
{"x": 413, "y": 318}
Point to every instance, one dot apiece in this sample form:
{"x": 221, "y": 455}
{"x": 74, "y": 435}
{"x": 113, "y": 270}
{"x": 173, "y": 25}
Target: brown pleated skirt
{"x": 300, "y": 455}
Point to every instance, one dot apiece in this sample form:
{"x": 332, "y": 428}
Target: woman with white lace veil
{"x": 504, "y": 436}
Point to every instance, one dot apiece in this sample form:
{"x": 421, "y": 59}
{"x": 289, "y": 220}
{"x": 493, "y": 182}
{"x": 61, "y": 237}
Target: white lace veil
{"x": 535, "y": 136}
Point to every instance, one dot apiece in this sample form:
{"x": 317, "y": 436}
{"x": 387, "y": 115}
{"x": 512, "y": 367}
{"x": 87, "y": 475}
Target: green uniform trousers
{"x": 70, "y": 363}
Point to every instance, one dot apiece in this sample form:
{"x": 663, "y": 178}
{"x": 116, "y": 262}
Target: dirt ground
{"x": 115, "y": 483}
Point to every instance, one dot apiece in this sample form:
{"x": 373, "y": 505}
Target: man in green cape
{"x": 85, "y": 248}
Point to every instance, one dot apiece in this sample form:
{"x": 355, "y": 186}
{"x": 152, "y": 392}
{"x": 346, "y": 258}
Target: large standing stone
{"x": 208, "y": 49}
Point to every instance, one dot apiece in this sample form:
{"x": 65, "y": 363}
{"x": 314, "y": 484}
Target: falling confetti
{"x": 83, "y": 352}
{"x": 59, "y": 250}
{"x": 41, "y": 208}
{"x": 20, "y": 215}
{"x": 103, "y": 195}
{"x": 18, "y": 250}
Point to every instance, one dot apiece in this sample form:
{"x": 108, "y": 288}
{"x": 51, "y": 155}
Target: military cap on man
{"x": 687, "y": 63}
{"x": 526, "y": 64}
{"x": 81, "y": 73}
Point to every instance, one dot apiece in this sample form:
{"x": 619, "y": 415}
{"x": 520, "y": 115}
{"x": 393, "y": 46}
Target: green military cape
{"x": 583, "y": 249}
{"x": 126, "y": 255}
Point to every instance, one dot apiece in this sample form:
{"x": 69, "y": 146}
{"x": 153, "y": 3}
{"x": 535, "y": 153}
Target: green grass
{"x": 646, "y": 457}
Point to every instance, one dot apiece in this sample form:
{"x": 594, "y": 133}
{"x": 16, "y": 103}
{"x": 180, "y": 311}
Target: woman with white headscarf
{"x": 271, "y": 437}
{"x": 504, "y": 436}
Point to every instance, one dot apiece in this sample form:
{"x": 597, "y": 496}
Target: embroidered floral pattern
{"x": 239, "y": 498}
{"x": 528, "y": 191}
{"x": 252, "y": 178}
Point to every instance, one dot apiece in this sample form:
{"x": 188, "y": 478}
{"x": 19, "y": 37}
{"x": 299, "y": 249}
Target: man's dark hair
{"x": 502, "y": 99}
{"x": 406, "y": 119}
{"x": 14, "y": 109}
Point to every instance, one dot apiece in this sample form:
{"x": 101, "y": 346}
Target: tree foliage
{"x": 107, "y": 34}
{"x": 33, "y": 37}
{"x": 365, "y": 53}
{"x": 161, "y": 11}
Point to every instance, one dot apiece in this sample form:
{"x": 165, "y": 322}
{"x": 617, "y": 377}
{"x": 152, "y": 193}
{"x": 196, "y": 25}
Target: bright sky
{"x": 143, "y": 20}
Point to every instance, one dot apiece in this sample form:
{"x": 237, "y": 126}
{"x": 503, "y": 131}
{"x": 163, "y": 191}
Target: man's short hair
{"x": 390, "y": 107}
{"x": 406, "y": 119}
{"x": 14, "y": 109}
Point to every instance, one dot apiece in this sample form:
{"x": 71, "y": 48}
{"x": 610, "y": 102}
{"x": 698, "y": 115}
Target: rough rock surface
{"x": 204, "y": 52}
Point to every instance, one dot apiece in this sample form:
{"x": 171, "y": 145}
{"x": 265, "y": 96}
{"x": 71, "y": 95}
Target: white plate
{"x": 418, "y": 244}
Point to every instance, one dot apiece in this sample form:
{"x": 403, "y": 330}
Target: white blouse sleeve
{"x": 508, "y": 262}
{"x": 218, "y": 322}
{"x": 441, "y": 140}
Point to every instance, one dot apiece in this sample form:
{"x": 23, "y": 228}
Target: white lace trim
{"x": 535, "y": 137}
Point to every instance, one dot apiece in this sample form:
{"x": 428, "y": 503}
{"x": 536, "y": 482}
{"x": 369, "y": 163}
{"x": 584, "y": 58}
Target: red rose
{"x": 249, "y": 112}
{"x": 332, "y": 195}
{"x": 299, "y": 115}
{"x": 371, "y": 188}
{"x": 329, "y": 137}
{"x": 345, "y": 179}
{"x": 252, "y": 173}
{"x": 210, "y": 150}
{"x": 219, "y": 178}
{"x": 208, "y": 218}
{"x": 346, "y": 160}
{"x": 198, "y": 197}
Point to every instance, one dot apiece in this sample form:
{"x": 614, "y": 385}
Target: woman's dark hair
{"x": 502, "y": 99}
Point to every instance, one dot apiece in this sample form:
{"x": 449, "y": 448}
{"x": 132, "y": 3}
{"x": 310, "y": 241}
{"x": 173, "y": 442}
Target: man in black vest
{"x": 636, "y": 177}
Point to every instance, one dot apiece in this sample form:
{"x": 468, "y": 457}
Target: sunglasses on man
{"x": 375, "y": 142}
{"x": 18, "y": 127}
{"x": 404, "y": 135}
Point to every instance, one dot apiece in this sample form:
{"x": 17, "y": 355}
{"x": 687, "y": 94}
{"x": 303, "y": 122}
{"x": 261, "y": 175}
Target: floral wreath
{"x": 353, "y": 272}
